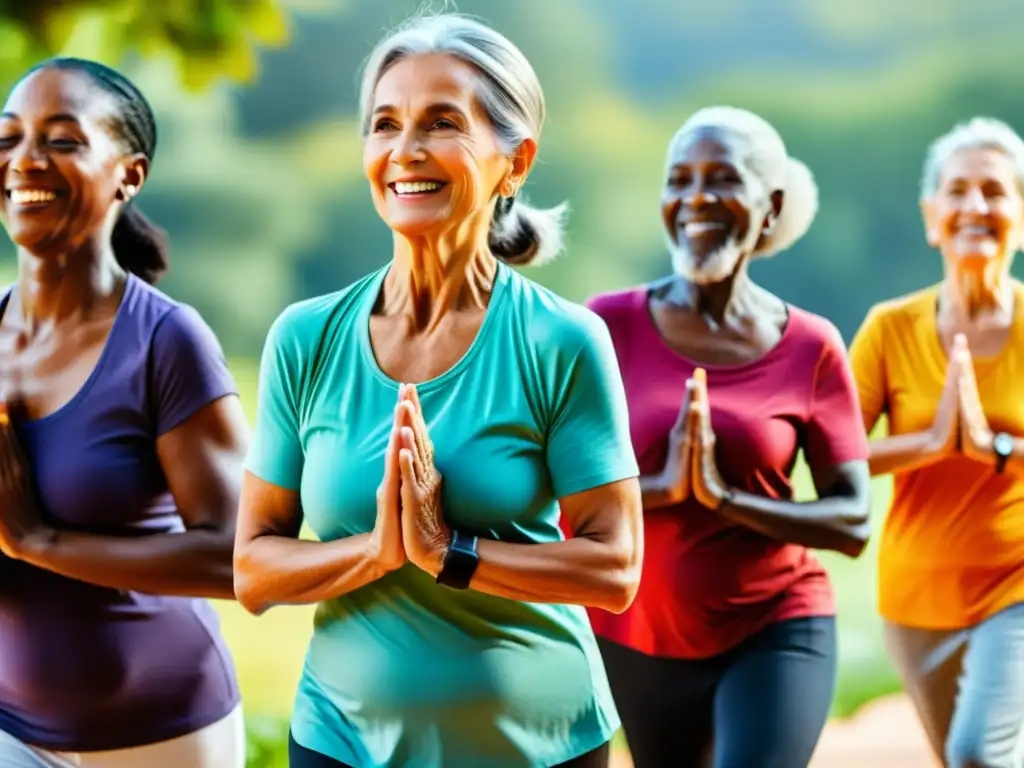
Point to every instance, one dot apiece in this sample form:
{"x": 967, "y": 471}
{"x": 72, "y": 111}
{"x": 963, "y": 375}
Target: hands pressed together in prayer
{"x": 21, "y": 521}
{"x": 410, "y": 526}
{"x": 960, "y": 424}
{"x": 691, "y": 469}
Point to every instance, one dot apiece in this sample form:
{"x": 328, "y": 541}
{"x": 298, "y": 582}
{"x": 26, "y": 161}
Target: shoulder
{"x": 814, "y": 329}
{"x": 303, "y": 323}
{"x": 552, "y": 322}
{"x": 617, "y": 305}
{"x": 900, "y": 310}
{"x": 175, "y": 328}
{"x": 814, "y": 341}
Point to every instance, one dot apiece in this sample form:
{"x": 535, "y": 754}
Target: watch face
{"x": 1003, "y": 444}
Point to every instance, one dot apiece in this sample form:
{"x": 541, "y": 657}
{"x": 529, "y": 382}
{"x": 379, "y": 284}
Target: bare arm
{"x": 838, "y": 520}
{"x": 658, "y": 492}
{"x": 202, "y": 460}
{"x": 903, "y": 453}
{"x": 598, "y": 567}
{"x": 274, "y": 567}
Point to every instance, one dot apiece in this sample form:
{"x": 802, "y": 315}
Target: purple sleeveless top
{"x": 86, "y": 668}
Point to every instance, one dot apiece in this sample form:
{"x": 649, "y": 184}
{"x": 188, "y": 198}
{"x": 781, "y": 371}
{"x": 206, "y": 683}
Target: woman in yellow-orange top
{"x": 946, "y": 365}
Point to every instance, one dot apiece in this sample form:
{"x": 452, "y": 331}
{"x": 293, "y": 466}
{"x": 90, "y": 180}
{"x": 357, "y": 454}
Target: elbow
{"x": 856, "y": 538}
{"x": 248, "y": 590}
{"x": 621, "y": 596}
{"x": 623, "y": 579}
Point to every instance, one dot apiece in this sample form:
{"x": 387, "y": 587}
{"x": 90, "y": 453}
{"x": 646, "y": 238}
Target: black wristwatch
{"x": 460, "y": 562}
{"x": 1002, "y": 444}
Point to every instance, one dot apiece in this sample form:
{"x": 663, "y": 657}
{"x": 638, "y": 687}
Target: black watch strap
{"x": 460, "y": 562}
{"x": 1002, "y": 445}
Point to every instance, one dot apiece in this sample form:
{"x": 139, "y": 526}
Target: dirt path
{"x": 884, "y": 734}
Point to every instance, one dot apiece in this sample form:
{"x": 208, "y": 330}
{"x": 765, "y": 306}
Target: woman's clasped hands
{"x": 21, "y": 521}
{"x": 691, "y": 468}
{"x": 960, "y": 424}
{"x": 410, "y": 526}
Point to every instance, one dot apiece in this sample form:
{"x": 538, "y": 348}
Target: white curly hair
{"x": 976, "y": 133}
{"x": 762, "y": 150}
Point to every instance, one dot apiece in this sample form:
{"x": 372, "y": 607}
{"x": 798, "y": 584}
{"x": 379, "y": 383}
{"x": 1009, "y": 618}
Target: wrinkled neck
{"x": 719, "y": 303}
{"x": 430, "y": 277}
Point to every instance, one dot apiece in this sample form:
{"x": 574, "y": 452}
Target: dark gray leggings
{"x": 762, "y": 704}
{"x": 300, "y": 757}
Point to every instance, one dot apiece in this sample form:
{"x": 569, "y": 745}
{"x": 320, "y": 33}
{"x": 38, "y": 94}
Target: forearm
{"x": 195, "y": 563}
{"x": 902, "y": 453}
{"x": 278, "y": 570}
{"x": 578, "y": 571}
{"x": 838, "y": 523}
{"x": 656, "y": 493}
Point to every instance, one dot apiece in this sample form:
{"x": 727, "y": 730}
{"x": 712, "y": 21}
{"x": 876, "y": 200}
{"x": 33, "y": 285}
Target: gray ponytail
{"x": 522, "y": 234}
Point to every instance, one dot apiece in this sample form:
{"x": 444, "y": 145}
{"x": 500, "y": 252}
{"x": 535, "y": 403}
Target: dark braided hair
{"x": 139, "y": 245}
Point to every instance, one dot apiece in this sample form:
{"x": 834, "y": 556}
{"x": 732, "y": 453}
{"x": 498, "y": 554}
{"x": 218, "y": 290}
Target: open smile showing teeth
{"x": 31, "y": 196}
{"x": 975, "y": 230}
{"x": 698, "y": 228}
{"x": 416, "y": 187}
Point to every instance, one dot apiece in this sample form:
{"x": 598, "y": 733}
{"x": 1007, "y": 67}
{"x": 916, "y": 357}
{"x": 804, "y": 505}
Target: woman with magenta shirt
{"x": 121, "y": 443}
{"x": 728, "y": 653}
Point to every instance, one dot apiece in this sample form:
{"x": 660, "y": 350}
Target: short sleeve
{"x": 275, "y": 452}
{"x": 868, "y": 361}
{"x": 188, "y": 369}
{"x": 835, "y": 432}
{"x": 588, "y": 440}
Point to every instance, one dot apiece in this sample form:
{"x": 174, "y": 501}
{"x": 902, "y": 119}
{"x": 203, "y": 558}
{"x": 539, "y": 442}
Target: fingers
{"x": 693, "y": 387}
{"x": 418, "y": 423}
{"x": 391, "y": 468}
{"x": 960, "y": 355}
{"x": 697, "y": 388}
{"x": 417, "y": 442}
{"x": 407, "y": 468}
{"x": 410, "y": 446}
{"x": 413, "y": 396}
{"x": 10, "y": 455}
{"x": 683, "y": 417}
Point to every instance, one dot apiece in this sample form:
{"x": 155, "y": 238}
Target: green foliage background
{"x": 258, "y": 173}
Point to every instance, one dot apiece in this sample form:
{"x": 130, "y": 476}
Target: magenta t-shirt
{"x": 86, "y": 668}
{"x": 709, "y": 583}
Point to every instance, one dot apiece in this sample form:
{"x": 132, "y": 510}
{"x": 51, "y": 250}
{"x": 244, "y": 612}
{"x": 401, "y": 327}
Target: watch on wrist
{"x": 1002, "y": 444}
{"x": 460, "y": 562}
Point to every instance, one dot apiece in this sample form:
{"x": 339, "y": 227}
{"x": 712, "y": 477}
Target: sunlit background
{"x": 257, "y": 176}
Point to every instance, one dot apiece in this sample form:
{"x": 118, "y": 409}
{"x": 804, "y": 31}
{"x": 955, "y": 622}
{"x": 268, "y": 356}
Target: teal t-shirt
{"x": 403, "y": 671}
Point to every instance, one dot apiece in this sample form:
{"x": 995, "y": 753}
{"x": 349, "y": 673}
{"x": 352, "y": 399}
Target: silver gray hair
{"x": 511, "y": 97}
{"x": 762, "y": 150}
{"x": 976, "y": 133}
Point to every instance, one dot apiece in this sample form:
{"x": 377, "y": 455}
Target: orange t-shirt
{"x": 952, "y": 549}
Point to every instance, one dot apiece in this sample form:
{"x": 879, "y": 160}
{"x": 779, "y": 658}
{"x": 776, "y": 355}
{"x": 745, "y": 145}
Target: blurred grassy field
{"x": 269, "y": 651}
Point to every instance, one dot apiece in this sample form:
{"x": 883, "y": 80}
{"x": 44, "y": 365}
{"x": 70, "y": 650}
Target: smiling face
{"x": 432, "y": 158}
{"x": 713, "y": 207}
{"x": 61, "y": 161}
{"x": 976, "y": 216}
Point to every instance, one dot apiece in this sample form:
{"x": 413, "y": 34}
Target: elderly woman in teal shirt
{"x": 431, "y": 423}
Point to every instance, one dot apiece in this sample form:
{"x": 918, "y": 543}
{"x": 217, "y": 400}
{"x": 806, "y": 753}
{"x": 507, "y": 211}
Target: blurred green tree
{"x": 207, "y": 39}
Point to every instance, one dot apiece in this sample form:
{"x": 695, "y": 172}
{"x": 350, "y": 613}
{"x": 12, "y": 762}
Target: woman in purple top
{"x": 121, "y": 459}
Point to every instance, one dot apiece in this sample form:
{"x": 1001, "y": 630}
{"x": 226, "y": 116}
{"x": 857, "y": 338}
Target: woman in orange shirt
{"x": 946, "y": 365}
